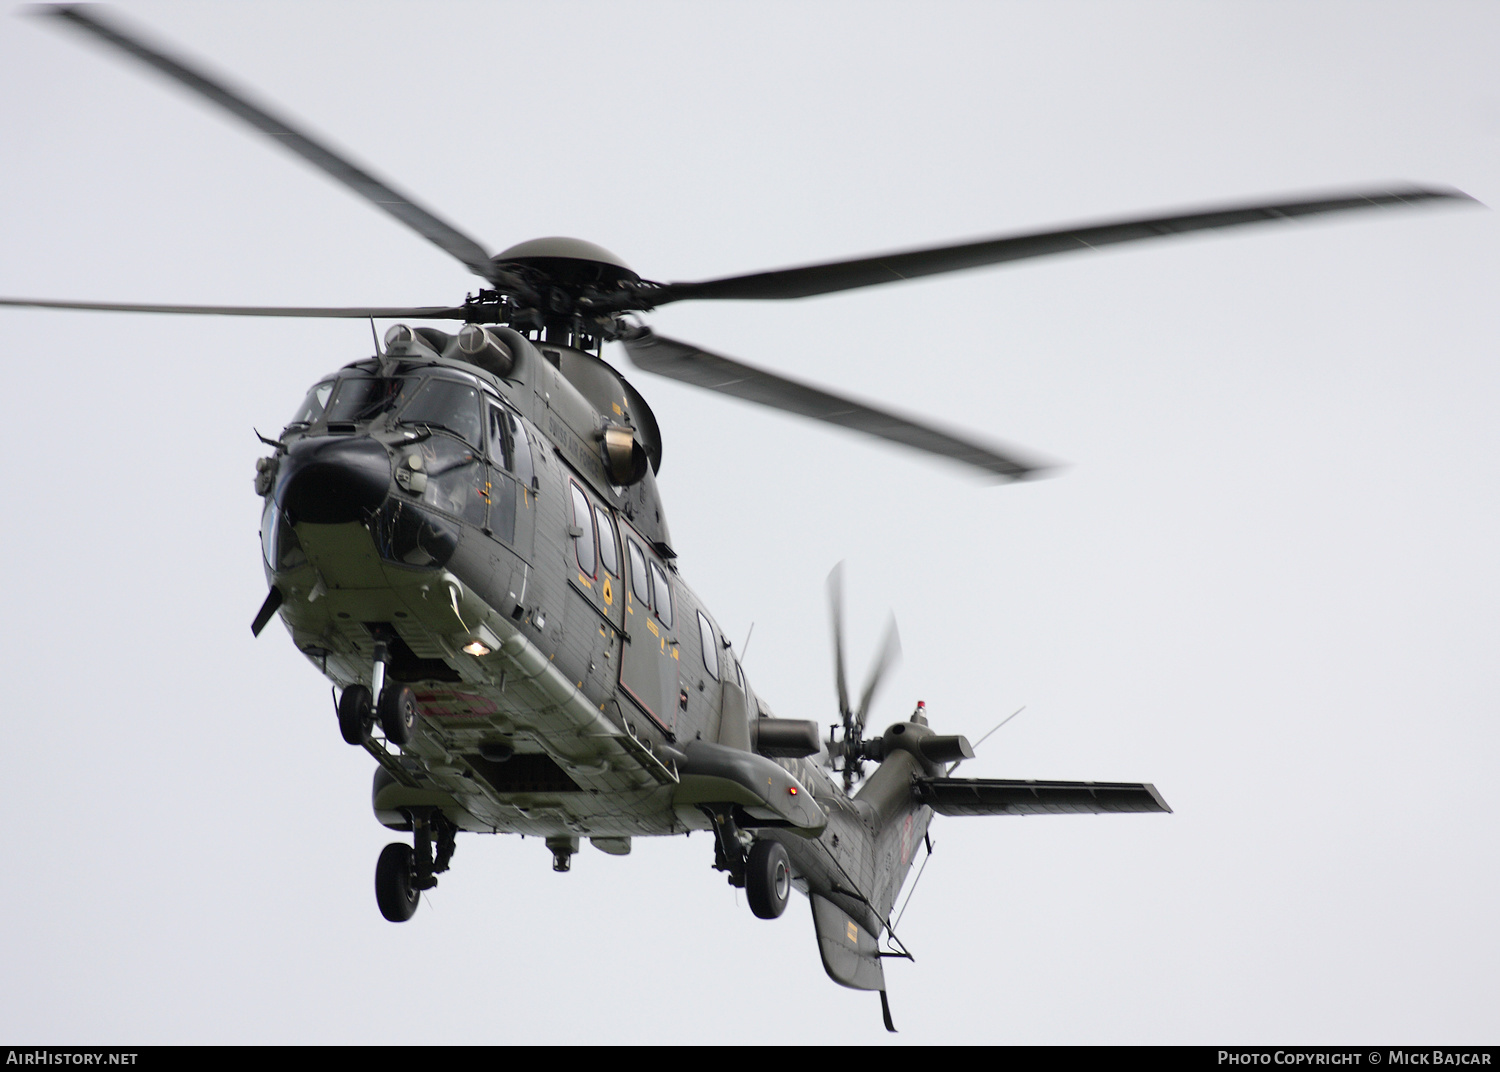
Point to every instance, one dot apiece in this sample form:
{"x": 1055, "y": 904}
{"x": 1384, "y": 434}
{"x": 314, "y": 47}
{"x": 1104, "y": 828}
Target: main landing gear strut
{"x": 763, "y": 871}
{"x": 402, "y": 873}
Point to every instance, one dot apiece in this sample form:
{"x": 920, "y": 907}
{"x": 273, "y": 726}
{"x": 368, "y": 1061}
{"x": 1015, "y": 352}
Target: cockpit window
{"x": 358, "y": 398}
{"x": 278, "y": 541}
{"x": 510, "y": 448}
{"x": 449, "y": 405}
{"x": 312, "y": 406}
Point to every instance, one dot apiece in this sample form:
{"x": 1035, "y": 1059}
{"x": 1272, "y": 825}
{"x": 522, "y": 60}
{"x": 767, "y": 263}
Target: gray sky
{"x": 1266, "y": 581}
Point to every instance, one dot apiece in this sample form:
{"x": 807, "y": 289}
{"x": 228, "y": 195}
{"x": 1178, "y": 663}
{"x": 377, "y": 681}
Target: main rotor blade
{"x": 912, "y": 264}
{"x": 379, "y": 193}
{"x": 378, "y": 312}
{"x": 691, "y": 364}
{"x": 890, "y": 654}
{"x": 836, "y": 617}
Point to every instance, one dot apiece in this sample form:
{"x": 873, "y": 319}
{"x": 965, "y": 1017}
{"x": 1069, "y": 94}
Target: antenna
{"x": 928, "y": 843}
{"x": 981, "y": 741}
{"x": 1003, "y": 721}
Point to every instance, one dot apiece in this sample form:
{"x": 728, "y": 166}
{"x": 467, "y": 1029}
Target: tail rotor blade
{"x": 852, "y": 748}
{"x": 890, "y": 655}
{"x": 836, "y": 617}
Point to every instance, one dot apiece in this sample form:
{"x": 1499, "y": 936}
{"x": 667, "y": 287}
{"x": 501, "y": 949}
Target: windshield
{"x": 312, "y": 406}
{"x": 446, "y": 404}
{"x": 358, "y": 398}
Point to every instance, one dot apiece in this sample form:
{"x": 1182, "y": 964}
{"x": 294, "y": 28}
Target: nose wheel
{"x": 356, "y": 717}
{"x": 398, "y": 712}
{"x": 395, "y": 709}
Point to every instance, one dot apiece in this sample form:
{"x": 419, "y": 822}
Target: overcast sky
{"x": 1265, "y": 581}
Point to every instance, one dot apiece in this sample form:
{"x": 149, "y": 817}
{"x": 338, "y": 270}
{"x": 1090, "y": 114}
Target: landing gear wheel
{"x": 395, "y": 892}
{"x": 398, "y": 713}
{"x": 355, "y": 717}
{"x": 768, "y": 879}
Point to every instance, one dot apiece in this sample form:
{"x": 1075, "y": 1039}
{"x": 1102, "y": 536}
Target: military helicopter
{"x": 463, "y": 532}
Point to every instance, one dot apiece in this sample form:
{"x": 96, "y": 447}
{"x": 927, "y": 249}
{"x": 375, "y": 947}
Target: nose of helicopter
{"x": 328, "y": 480}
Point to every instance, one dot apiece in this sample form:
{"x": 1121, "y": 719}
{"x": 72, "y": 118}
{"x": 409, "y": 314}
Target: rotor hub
{"x": 569, "y": 262}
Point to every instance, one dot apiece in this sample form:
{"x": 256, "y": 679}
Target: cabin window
{"x": 663, "y": 594}
{"x": 313, "y": 405}
{"x": 521, "y": 445}
{"x": 710, "y": 646}
{"x": 584, "y": 542}
{"x": 500, "y": 441}
{"x": 446, "y": 404}
{"x": 609, "y": 555}
{"x": 638, "y": 582}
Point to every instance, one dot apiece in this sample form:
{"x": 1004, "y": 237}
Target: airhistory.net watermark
{"x": 69, "y": 1057}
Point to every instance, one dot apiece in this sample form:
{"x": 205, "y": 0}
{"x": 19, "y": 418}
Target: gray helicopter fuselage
{"x": 464, "y": 522}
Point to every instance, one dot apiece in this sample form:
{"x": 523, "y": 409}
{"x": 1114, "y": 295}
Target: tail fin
{"x": 851, "y": 955}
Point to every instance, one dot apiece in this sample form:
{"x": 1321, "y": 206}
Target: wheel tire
{"x": 768, "y": 879}
{"x": 354, "y": 714}
{"x": 394, "y": 891}
{"x": 398, "y": 713}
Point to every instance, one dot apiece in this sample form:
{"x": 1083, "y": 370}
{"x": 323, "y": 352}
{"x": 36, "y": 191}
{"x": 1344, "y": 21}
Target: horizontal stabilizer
{"x": 1005, "y": 796}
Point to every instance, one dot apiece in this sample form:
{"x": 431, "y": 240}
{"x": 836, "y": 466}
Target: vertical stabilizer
{"x": 851, "y": 956}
